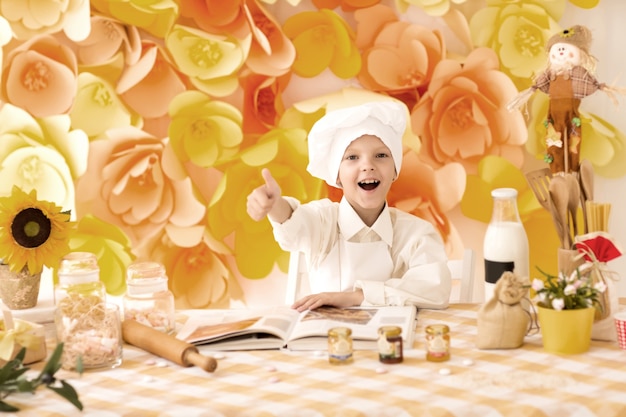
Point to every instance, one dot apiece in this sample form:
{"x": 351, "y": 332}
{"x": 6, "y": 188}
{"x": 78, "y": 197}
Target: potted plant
{"x": 566, "y": 306}
{"x": 33, "y": 234}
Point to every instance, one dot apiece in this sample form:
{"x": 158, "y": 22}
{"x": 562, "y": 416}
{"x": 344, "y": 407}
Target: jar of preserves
{"x": 340, "y": 345}
{"x": 148, "y": 299}
{"x": 79, "y": 280}
{"x": 390, "y": 344}
{"x": 437, "y": 343}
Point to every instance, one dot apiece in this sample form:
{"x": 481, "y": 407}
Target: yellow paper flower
{"x": 42, "y": 154}
{"x": 33, "y": 233}
{"x": 155, "y": 16}
{"x": 204, "y": 131}
{"x": 322, "y": 40}
{"x": 518, "y": 34}
{"x": 47, "y": 17}
{"x": 111, "y": 246}
{"x": 98, "y": 108}
{"x": 210, "y": 61}
{"x": 40, "y": 76}
{"x": 477, "y": 203}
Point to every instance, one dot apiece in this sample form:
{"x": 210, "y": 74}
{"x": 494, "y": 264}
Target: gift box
{"x": 16, "y": 334}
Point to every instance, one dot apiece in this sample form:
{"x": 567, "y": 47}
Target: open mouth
{"x": 369, "y": 185}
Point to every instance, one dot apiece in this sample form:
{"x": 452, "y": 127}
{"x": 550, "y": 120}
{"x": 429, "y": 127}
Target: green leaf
{"x": 4, "y": 407}
{"x": 54, "y": 363}
{"x": 68, "y": 392}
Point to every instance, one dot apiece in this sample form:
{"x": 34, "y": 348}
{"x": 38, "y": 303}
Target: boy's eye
{"x": 351, "y": 157}
{"x": 382, "y": 155}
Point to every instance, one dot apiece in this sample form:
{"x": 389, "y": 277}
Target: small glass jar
{"x": 437, "y": 343}
{"x": 148, "y": 299}
{"x": 340, "y": 346}
{"x": 79, "y": 279}
{"x": 92, "y": 338}
{"x": 390, "y": 344}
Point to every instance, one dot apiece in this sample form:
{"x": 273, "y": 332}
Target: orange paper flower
{"x": 463, "y": 115}
{"x": 40, "y": 76}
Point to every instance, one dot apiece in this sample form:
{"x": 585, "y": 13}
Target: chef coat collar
{"x": 350, "y": 223}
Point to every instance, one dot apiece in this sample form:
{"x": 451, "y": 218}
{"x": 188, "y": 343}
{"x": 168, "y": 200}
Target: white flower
{"x": 570, "y": 289}
{"x": 537, "y": 284}
{"x": 600, "y": 286}
{"x": 558, "y": 304}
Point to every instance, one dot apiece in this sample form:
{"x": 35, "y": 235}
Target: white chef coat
{"x": 399, "y": 260}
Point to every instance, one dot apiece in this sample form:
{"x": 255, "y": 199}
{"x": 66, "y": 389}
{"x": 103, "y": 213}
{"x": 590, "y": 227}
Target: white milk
{"x": 505, "y": 247}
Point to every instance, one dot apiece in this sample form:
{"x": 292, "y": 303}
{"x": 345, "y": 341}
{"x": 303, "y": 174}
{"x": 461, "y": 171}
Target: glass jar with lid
{"x": 148, "y": 299}
{"x": 79, "y": 280}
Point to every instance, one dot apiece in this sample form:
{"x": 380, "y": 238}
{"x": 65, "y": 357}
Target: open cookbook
{"x": 284, "y": 327}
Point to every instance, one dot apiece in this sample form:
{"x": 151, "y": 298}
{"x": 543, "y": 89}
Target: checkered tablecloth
{"x": 483, "y": 383}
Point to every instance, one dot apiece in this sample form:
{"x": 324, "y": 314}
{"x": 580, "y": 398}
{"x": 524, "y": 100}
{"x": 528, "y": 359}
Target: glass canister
{"x": 148, "y": 299}
{"x": 437, "y": 343}
{"x": 340, "y": 346}
{"x": 505, "y": 247}
{"x": 79, "y": 280}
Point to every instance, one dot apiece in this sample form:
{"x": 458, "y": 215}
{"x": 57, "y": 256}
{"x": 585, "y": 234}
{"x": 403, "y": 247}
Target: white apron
{"x": 348, "y": 262}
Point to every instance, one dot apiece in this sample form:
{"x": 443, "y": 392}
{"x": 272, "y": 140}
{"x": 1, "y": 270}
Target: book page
{"x": 205, "y": 327}
{"x": 363, "y": 321}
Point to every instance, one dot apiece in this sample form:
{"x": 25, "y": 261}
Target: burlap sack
{"x": 502, "y": 321}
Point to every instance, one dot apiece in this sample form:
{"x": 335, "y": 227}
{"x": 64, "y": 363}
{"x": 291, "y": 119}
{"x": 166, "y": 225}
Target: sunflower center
{"x": 31, "y": 228}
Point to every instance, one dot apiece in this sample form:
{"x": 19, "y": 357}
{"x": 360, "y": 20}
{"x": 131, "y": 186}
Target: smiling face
{"x": 564, "y": 55}
{"x": 366, "y": 173}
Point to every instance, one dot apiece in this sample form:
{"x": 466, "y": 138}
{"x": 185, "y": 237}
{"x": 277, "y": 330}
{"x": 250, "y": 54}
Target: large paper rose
{"x": 42, "y": 154}
{"x": 127, "y": 186}
{"x": 463, "y": 115}
{"x": 397, "y": 56}
{"x": 29, "y": 19}
{"x": 40, "y": 76}
{"x": 196, "y": 267}
{"x": 262, "y": 101}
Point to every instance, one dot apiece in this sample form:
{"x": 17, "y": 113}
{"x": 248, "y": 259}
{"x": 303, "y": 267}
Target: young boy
{"x": 359, "y": 251}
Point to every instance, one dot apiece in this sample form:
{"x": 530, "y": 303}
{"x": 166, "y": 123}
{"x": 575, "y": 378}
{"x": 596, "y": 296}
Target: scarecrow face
{"x": 564, "y": 55}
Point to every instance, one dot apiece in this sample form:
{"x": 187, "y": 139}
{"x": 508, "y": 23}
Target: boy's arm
{"x": 267, "y": 200}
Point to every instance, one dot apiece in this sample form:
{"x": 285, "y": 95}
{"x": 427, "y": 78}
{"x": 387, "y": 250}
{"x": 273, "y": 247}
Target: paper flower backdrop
{"x": 152, "y": 120}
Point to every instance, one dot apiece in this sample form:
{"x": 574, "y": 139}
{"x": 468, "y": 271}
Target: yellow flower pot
{"x": 566, "y": 331}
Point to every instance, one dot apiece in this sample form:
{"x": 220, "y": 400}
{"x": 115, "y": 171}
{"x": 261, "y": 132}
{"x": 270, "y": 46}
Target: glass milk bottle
{"x": 505, "y": 247}
{"x": 148, "y": 299}
{"x": 79, "y": 280}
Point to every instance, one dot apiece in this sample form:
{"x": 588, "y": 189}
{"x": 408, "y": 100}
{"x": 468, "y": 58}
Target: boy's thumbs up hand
{"x": 263, "y": 198}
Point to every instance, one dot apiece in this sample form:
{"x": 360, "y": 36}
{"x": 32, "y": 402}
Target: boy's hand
{"x": 263, "y": 198}
{"x": 335, "y": 299}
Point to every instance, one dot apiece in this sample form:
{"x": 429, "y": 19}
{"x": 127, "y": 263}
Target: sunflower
{"x": 33, "y": 233}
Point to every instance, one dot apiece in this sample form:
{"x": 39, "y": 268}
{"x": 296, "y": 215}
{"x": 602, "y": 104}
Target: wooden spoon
{"x": 586, "y": 189}
{"x": 559, "y": 200}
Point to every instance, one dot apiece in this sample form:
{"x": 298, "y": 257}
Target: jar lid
{"x": 504, "y": 193}
{"x": 78, "y": 267}
{"x": 390, "y": 331}
{"x": 340, "y": 331}
{"x": 145, "y": 269}
{"x": 437, "y": 329}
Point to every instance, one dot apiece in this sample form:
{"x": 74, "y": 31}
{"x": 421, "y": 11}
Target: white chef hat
{"x": 330, "y": 136}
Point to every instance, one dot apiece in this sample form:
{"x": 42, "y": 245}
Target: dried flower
{"x": 568, "y": 292}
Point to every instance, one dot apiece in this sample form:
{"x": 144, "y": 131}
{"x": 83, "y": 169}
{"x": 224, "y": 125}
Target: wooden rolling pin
{"x": 165, "y": 346}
